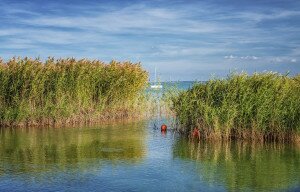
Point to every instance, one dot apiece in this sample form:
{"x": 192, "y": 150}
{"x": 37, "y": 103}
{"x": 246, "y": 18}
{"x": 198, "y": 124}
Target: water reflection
{"x": 37, "y": 149}
{"x": 243, "y": 166}
{"x": 136, "y": 157}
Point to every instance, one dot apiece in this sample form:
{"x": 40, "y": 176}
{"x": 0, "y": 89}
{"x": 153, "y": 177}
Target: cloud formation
{"x": 199, "y": 37}
{"x": 241, "y": 57}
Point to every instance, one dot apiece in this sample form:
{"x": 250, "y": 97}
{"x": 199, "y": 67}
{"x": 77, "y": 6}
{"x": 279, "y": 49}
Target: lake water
{"x": 137, "y": 157}
{"x": 181, "y": 85}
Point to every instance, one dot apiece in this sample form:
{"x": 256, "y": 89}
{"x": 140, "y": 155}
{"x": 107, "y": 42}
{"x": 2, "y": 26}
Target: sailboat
{"x": 156, "y": 85}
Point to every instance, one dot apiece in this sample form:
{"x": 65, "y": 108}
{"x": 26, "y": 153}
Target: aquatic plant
{"x": 69, "y": 90}
{"x": 262, "y": 106}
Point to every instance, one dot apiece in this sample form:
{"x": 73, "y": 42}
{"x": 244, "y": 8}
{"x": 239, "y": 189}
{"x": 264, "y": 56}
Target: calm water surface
{"x": 137, "y": 157}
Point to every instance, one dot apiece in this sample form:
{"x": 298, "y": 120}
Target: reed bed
{"x": 64, "y": 91}
{"x": 262, "y": 106}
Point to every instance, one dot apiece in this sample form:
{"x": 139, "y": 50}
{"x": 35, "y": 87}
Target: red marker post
{"x": 196, "y": 133}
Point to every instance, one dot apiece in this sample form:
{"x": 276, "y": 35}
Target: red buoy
{"x": 163, "y": 127}
{"x": 196, "y": 133}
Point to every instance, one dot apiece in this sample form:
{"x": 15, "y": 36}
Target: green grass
{"x": 263, "y": 106}
{"x": 69, "y": 90}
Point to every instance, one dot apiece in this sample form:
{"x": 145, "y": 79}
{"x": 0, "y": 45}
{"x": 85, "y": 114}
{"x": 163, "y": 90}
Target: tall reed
{"x": 69, "y": 90}
{"x": 263, "y": 106}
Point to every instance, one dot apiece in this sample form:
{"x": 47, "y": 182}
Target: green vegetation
{"x": 243, "y": 166}
{"x": 69, "y": 91}
{"x": 32, "y": 149}
{"x": 262, "y": 106}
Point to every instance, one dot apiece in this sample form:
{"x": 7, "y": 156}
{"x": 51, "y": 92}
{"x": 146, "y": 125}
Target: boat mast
{"x": 155, "y": 75}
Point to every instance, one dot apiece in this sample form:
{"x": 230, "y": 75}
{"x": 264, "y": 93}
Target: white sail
{"x": 156, "y": 85}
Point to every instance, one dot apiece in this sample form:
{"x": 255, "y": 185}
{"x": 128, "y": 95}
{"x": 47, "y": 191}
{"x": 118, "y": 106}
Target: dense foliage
{"x": 37, "y": 92}
{"x": 263, "y": 106}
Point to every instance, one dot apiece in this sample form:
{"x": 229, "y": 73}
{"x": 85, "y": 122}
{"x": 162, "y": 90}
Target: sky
{"x": 183, "y": 39}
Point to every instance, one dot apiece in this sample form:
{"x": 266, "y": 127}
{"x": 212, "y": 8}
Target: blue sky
{"x": 185, "y": 40}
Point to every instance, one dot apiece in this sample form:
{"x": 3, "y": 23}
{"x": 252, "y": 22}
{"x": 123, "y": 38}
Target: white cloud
{"x": 194, "y": 35}
{"x": 241, "y": 57}
{"x": 203, "y": 49}
{"x": 273, "y": 14}
{"x": 249, "y": 57}
{"x": 281, "y": 60}
{"x": 133, "y": 19}
{"x": 272, "y": 59}
{"x": 230, "y": 57}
